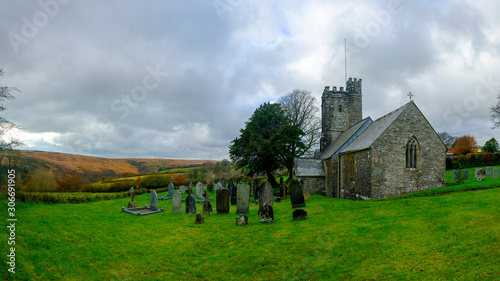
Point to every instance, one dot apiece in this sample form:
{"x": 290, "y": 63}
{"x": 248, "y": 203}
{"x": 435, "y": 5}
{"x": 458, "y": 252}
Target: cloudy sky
{"x": 179, "y": 79}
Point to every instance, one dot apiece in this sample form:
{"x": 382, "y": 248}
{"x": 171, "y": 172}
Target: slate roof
{"x": 372, "y": 133}
{"x": 345, "y": 138}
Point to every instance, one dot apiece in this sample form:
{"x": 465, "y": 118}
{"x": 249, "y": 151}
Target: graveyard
{"x": 453, "y": 235}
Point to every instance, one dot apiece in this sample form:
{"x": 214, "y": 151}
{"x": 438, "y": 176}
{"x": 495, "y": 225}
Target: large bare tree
{"x": 300, "y": 107}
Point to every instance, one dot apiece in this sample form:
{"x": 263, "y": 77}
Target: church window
{"x": 411, "y": 153}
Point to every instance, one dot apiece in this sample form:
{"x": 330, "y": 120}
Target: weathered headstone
{"x": 296, "y": 194}
{"x": 207, "y": 207}
{"x": 266, "y": 213}
{"x": 488, "y": 171}
{"x": 243, "y": 201}
{"x": 199, "y": 219}
{"x": 265, "y": 194}
{"x": 153, "y": 201}
{"x": 475, "y": 173}
{"x": 299, "y": 214}
{"x": 176, "y": 202}
{"x": 495, "y": 172}
{"x": 252, "y": 189}
{"x": 230, "y": 187}
{"x": 170, "y": 190}
{"x": 307, "y": 193}
{"x": 466, "y": 174}
{"x": 132, "y": 203}
{"x": 454, "y": 174}
{"x": 481, "y": 175}
{"x": 182, "y": 189}
{"x": 199, "y": 190}
{"x": 222, "y": 201}
{"x": 190, "y": 205}
{"x": 218, "y": 186}
{"x": 223, "y": 184}
{"x": 241, "y": 220}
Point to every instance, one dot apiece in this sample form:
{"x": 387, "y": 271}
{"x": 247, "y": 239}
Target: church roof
{"x": 345, "y": 138}
{"x": 372, "y": 133}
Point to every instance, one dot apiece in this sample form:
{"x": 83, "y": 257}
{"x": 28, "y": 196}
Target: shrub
{"x": 123, "y": 185}
{"x": 155, "y": 181}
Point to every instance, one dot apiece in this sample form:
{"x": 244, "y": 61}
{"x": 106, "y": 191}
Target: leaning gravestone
{"x": 481, "y": 175}
{"x": 182, "y": 189}
{"x": 190, "y": 205}
{"x": 222, "y": 201}
{"x": 466, "y": 174}
{"x": 176, "y": 202}
{"x": 454, "y": 175}
{"x": 488, "y": 171}
{"x": 296, "y": 194}
{"x": 265, "y": 194}
{"x": 243, "y": 201}
{"x": 207, "y": 207}
{"x": 495, "y": 172}
{"x": 266, "y": 213}
{"x": 153, "y": 201}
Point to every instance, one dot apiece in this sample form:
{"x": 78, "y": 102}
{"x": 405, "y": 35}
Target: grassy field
{"x": 450, "y": 237}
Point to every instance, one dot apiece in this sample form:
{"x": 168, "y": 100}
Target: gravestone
{"x": 190, "y": 205}
{"x": 207, "y": 207}
{"x": 475, "y": 173}
{"x": 299, "y": 214}
{"x": 454, "y": 175}
{"x": 266, "y": 213}
{"x": 182, "y": 189}
{"x": 265, "y": 194}
{"x": 223, "y": 184}
{"x": 481, "y": 175}
{"x": 488, "y": 171}
{"x": 252, "y": 189}
{"x": 241, "y": 220}
{"x": 153, "y": 201}
{"x": 243, "y": 201}
{"x": 230, "y": 187}
{"x": 307, "y": 193}
{"x": 296, "y": 194}
{"x": 222, "y": 201}
{"x": 176, "y": 202}
{"x": 199, "y": 190}
{"x": 234, "y": 195}
{"x": 466, "y": 174}
{"x": 495, "y": 172}
{"x": 170, "y": 190}
{"x": 132, "y": 203}
{"x": 199, "y": 219}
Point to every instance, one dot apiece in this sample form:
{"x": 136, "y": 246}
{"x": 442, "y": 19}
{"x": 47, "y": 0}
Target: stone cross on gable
{"x": 410, "y": 95}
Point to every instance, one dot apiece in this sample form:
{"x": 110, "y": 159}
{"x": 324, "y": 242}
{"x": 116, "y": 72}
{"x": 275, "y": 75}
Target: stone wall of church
{"x": 314, "y": 185}
{"x": 355, "y": 175}
{"x": 390, "y": 176}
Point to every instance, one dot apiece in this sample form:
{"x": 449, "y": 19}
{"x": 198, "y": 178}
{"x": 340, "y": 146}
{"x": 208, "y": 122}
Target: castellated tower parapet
{"x": 340, "y": 109}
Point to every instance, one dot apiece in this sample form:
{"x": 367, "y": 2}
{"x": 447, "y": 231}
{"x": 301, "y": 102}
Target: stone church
{"x": 361, "y": 159}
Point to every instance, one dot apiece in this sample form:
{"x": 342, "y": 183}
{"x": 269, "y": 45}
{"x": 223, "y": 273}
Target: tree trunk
{"x": 271, "y": 179}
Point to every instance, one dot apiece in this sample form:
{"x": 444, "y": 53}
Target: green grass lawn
{"x": 450, "y": 237}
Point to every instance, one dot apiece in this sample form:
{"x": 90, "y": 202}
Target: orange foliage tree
{"x": 465, "y": 145}
{"x": 138, "y": 181}
{"x": 181, "y": 179}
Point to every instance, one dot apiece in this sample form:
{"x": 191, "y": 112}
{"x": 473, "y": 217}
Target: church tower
{"x": 339, "y": 111}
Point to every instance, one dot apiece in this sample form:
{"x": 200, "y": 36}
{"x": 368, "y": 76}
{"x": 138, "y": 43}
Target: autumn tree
{"x": 465, "y": 145}
{"x": 180, "y": 179}
{"x": 41, "y": 180}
